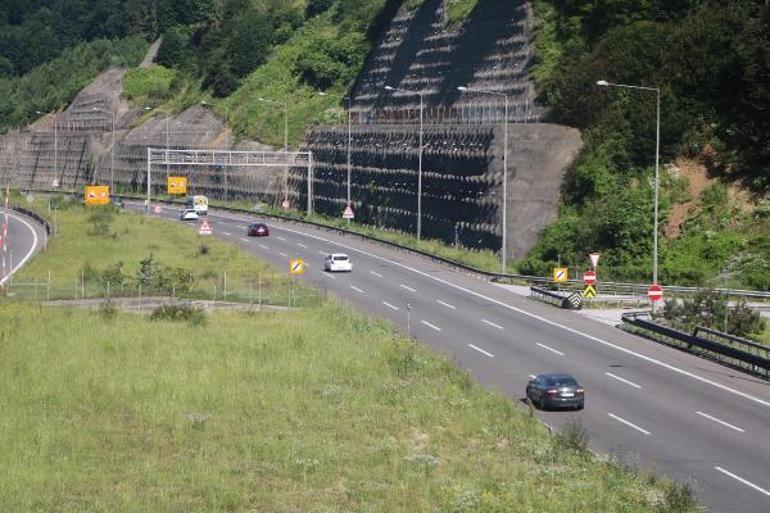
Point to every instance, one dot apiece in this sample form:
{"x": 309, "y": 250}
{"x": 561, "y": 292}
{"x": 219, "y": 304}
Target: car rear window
{"x": 561, "y": 381}
{"x": 340, "y": 258}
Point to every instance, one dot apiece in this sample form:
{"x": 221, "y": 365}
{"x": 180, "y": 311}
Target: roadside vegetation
{"x": 710, "y": 63}
{"x": 105, "y": 251}
{"x": 317, "y": 409}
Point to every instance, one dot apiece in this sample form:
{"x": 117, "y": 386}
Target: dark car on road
{"x": 258, "y": 230}
{"x": 555, "y": 390}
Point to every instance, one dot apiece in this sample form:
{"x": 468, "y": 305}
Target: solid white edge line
{"x": 623, "y": 380}
{"x": 430, "y": 325}
{"x": 407, "y": 287}
{"x": 451, "y": 307}
{"x": 718, "y": 421}
{"x": 376, "y": 274}
{"x": 490, "y": 323}
{"x": 390, "y": 306}
{"x": 31, "y": 251}
{"x": 357, "y": 289}
{"x": 550, "y": 349}
{"x": 539, "y": 318}
{"x": 629, "y": 424}
{"x": 477, "y": 348}
{"x": 744, "y": 481}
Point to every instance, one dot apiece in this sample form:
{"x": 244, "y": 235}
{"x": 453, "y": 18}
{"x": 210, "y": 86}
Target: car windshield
{"x": 560, "y": 381}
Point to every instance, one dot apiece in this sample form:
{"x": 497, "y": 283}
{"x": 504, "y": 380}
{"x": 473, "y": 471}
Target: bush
{"x": 573, "y": 437}
{"x": 179, "y": 313}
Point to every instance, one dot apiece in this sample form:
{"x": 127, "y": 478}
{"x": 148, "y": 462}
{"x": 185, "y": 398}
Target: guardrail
{"x": 576, "y": 285}
{"x": 34, "y": 215}
{"x": 723, "y": 348}
{"x": 571, "y": 301}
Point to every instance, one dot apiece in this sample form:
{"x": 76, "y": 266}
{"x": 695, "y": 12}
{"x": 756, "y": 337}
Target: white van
{"x": 199, "y": 203}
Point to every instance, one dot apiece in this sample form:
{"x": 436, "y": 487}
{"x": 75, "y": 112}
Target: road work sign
{"x": 177, "y": 184}
{"x": 97, "y": 194}
{"x": 560, "y": 274}
{"x": 297, "y": 266}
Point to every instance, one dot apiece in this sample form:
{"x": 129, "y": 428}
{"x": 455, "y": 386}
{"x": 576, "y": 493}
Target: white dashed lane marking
{"x": 719, "y": 421}
{"x": 407, "y": 287}
{"x": 451, "y": 307}
{"x": 390, "y": 306}
{"x": 623, "y": 380}
{"x": 376, "y": 274}
{"x": 744, "y": 481}
{"x": 477, "y": 348}
{"x": 431, "y": 326}
{"x": 357, "y": 289}
{"x": 550, "y": 349}
{"x": 629, "y": 424}
{"x": 490, "y": 323}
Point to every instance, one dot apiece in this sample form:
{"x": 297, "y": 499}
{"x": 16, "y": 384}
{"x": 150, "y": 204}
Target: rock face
{"x": 425, "y": 60}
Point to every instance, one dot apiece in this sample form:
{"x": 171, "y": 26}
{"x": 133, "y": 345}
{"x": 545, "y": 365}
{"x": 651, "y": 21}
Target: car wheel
{"x": 580, "y": 406}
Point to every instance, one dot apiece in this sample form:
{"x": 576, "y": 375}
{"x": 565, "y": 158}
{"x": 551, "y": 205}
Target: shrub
{"x": 179, "y": 313}
{"x": 573, "y": 437}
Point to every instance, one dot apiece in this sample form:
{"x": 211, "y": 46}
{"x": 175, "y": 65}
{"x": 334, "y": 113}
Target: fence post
{"x": 108, "y": 290}
{"x": 224, "y": 285}
{"x": 259, "y": 296}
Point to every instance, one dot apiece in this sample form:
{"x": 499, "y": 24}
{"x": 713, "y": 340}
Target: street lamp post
{"x": 112, "y": 148}
{"x": 419, "y": 168}
{"x": 350, "y": 138}
{"x": 285, "y": 143}
{"x": 504, "y": 251}
{"x": 656, "y": 90}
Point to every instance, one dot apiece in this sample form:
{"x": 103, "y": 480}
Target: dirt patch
{"x": 697, "y": 181}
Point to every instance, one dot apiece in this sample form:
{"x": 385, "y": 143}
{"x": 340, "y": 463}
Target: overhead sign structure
{"x": 296, "y": 266}
{"x": 655, "y": 292}
{"x": 348, "y": 213}
{"x": 97, "y": 194}
{"x": 589, "y": 277}
{"x": 205, "y": 228}
{"x": 589, "y": 292}
{"x": 594, "y": 257}
{"x": 560, "y": 274}
{"x": 177, "y": 184}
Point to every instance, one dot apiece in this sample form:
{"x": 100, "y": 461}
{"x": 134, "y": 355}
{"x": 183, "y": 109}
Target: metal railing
{"x": 568, "y": 301}
{"x": 723, "y": 348}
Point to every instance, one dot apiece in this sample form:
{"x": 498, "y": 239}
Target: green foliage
{"x": 151, "y": 85}
{"x": 54, "y": 84}
{"x": 459, "y": 10}
{"x": 710, "y": 309}
{"x": 179, "y": 313}
{"x": 703, "y": 57}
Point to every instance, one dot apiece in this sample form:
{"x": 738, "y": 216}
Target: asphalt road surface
{"x": 25, "y": 237}
{"x": 647, "y": 404}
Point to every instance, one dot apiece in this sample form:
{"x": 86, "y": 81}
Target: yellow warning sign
{"x": 560, "y": 274}
{"x": 297, "y": 266}
{"x": 97, "y": 194}
{"x": 177, "y": 185}
{"x": 589, "y": 292}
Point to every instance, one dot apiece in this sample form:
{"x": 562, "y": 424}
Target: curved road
{"x": 24, "y": 238}
{"x": 647, "y": 404}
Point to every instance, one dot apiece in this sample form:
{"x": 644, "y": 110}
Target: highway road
{"x": 24, "y": 238}
{"x": 647, "y": 404}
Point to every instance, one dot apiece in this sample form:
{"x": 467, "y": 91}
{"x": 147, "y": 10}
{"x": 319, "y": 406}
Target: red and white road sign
{"x": 589, "y": 277}
{"x": 205, "y": 228}
{"x": 348, "y": 213}
{"x": 655, "y": 292}
{"x": 594, "y": 257}
{"x": 157, "y": 209}
{"x": 285, "y": 204}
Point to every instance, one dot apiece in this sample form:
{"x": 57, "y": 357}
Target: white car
{"x": 338, "y": 262}
{"x": 189, "y": 215}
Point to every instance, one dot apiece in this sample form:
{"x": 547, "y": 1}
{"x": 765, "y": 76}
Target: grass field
{"x": 97, "y": 245}
{"x": 313, "y": 410}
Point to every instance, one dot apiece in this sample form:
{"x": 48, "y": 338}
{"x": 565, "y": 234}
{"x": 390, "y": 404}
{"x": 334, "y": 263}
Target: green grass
{"x": 88, "y": 246}
{"x": 144, "y": 86}
{"x": 313, "y": 410}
